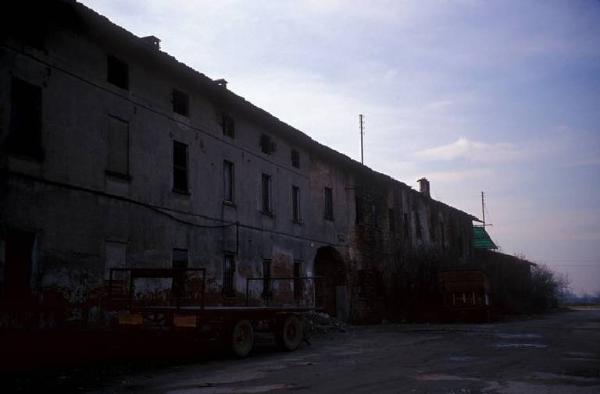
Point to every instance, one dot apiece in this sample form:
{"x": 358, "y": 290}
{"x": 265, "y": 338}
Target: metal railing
{"x": 177, "y": 274}
{"x": 298, "y": 286}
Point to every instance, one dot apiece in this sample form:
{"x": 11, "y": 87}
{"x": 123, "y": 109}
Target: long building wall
{"x": 84, "y": 218}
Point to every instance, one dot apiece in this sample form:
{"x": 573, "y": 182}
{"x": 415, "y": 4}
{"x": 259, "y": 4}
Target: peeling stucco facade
{"x": 84, "y": 219}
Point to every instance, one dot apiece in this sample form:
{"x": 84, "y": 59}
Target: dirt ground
{"x": 555, "y": 353}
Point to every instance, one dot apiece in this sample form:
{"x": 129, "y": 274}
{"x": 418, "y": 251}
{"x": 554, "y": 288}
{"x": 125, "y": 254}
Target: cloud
{"x": 466, "y": 149}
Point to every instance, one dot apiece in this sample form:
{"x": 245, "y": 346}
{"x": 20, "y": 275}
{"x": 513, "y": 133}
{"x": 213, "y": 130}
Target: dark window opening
{"x": 298, "y": 285}
{"x": 443, "y": 235}
{"x": 266, "y": 144}
{"x": 374, "y": 215}
{"x": 295, "y": 156}
{"x": 267, "y": 292}
{"x": 25, "y": 135}
{"x": 181, "y": 103}
{"x": 18, "y": 263}
{"x": 117, "y": 72}
{"x": 228, "y": 276}
{"x": 328, "y": 195}
{"x": 228, "y": 125}
{"x": 296, "y": 204}
{"x": 358, "y": 202}
{"x": 228, "y": 181}
{"x": 432, "y": 226}
{"x": 180, "y": 260}
{"x": 118, "y": 147}
{"x": 392, "y": 220}
{"x": 266, "y": 193}
{"x": 180, "y": 167}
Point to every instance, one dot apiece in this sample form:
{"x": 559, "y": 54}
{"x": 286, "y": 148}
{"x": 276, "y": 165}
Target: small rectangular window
{"x": 266, "y": 144}
{"x": 118, "y": 147}
{"x": 117, "y": 72}
{"x": 228, "y": 276}
{"x": 374, "y": 215}
{"x": 295, "y": 156}
{"x": 180, "y": 167}
{"x": 432, "y": 226}
{"x": 180, "y": 260}
{"x": 115, "y": 256}
{"x": 25, "y": 135}
{"x": 298, "y": 284}
{"x": 228, "y": 126}
{"x": 266, "y": 193}
{"x": 227, "y": 181}
{"x": 296, "y": 204}
{"x": 267, "y": 288}
{"x": 328, "y": 196}
{"x": 392, "y": 220}
{"x": 181, "y": 103}
{"x": 358, "y": 205}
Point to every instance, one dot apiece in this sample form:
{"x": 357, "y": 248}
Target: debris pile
{"x": 321, "y": 323}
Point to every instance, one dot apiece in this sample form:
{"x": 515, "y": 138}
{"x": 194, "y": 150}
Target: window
{"x": 374, "y": 215}
{"x": 25, "y": 135}
{"x": 19, "y": 251}
{"x": 296, "y": 204}
{"x": 432, "y": 226}
{"x": 180, "y": 167}
{"x": 115, "y": 256}
{"x": 228, "y": 276}
{"x": 443, "y": 235}
{"x": 418, "y": 226}
{"x": 118, "y": 147}
{"x": 298, "y": 285}
{"x": 267, "y": 290}
{"x": 228, "y": 126}
{"x": 117, "y": 72}
{"x": 180, "y": 260}
{"x": 295, "y": 156}
{"x": 181, "y": 103}
{"x": 358, "y": 203}
{"x": 266, "y": 144}
{"x": 392, "y": 220}
{"x": 266, "y": 193}
{"x": 227, "y": 181}
{"x": 328, "y": 195}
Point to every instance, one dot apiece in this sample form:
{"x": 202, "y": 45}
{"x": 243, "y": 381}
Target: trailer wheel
{"x": 290, "y": 334}
{"x": 242, "y": 338}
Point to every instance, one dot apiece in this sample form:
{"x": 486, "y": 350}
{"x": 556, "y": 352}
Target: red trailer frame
{"x": 233, "y": 325}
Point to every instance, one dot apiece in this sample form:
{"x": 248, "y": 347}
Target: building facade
{"x": 114, "y": 154}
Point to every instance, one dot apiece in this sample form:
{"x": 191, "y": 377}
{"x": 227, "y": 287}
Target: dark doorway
{"x": 331, "y": 288}
{"x": 19, "y": 249}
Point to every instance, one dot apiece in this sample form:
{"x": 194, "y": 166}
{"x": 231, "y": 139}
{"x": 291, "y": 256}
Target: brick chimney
{"x": 424, "y": 187}
{"x": 152, "y": 41}
{"x": 221, "y": 82}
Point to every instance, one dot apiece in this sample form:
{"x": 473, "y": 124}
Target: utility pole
{"x": 483, "y": 207}
{"x": 360, "y": 121}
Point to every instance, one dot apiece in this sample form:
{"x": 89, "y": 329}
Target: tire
{"x": 290, "y": 333}
{"x": 242, "y": 338}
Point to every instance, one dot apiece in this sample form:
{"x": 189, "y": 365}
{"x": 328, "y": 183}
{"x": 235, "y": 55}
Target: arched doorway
{"x": 331, "y": 289}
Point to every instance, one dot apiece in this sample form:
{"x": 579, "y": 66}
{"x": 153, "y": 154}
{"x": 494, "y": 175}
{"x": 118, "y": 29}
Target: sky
{"x": 494, "y": 96}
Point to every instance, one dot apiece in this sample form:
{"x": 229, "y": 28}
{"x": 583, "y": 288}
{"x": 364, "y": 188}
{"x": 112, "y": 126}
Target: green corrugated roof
{"x": 481, "y": 239}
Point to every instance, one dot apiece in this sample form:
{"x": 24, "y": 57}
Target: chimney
{"x": 424, "y": 187}
{"x": 221, "y": 82}
{"x": 153, "y": 41}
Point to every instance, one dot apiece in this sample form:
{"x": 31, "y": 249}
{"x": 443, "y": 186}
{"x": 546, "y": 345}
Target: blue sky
{"x": 499, "y": 96}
